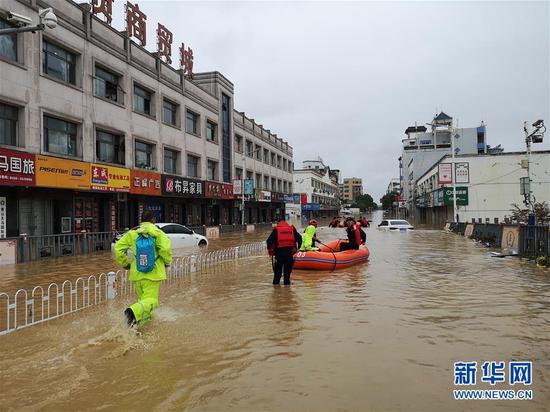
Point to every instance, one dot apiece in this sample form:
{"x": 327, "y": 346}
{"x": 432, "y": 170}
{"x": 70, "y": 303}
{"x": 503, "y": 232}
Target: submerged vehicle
{"x": 330, "y": 257}
{"x": 395, "y": 225}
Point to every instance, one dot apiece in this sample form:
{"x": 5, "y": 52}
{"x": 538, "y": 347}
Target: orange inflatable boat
{"x": 330, "y": 257}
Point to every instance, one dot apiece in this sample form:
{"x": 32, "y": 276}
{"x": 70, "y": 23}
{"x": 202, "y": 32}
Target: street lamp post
{"x": 46, "y": 19}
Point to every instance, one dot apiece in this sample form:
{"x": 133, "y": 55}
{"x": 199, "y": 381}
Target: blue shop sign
{"x": 249, "y": 187}
{"x": 289, "y": 198}
{"x": 311, "y": 207}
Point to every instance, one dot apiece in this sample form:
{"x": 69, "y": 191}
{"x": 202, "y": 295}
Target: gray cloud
{"x": 344, "y": 79}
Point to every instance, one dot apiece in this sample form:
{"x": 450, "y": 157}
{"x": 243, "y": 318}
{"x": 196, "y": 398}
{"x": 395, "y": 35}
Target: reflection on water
{"x": 381, "y": 336}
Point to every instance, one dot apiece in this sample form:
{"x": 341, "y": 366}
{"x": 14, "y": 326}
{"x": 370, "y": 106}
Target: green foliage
{"x": 388, "y": 199}
{"x": 541, "y": 209}
{"x": 365, "y": 202}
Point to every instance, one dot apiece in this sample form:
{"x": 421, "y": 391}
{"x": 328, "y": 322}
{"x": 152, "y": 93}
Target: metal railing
{"x": 25, "y": 308}
{"x": 534, "y": 241}
{"x": 31, "y": 248}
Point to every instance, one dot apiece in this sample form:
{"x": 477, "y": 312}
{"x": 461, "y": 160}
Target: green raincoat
{"x": 307, "y": 239}
{"x": 147, "y": 285}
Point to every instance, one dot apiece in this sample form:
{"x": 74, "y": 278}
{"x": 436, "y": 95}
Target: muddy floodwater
{"x": 377, "y": 337}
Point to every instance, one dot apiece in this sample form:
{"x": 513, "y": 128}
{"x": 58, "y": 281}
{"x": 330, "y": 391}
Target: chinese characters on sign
{"x": 110, "y": 179}
{"x": 17, "y": 168}
{"x": 164, "y": 43}
{"x": 2, "y": 217}
{"x": 445, "y": 171}
{"x": 462, "y": 172}
{"x": 237, "y": 187}
{"x": 135, "y": 23}
{"x": 213, "y": 190}
{"x": 145, "y": 183}
{"x": 465, "y": 373}
{"x": 186, "y": 60}
{"x": 181, "y": 186}
{"x": 104, "y": 7}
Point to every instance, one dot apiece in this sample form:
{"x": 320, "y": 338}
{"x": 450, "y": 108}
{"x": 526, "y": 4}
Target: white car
{"x": 180, "y": 236}
{"x": 399, "y": 225}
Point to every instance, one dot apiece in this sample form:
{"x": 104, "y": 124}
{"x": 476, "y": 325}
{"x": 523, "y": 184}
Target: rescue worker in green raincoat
{"x": 147, "y": 284}
{"x": 308, "y": 238}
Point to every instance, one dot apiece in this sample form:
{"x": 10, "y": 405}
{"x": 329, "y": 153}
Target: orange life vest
{"x": 357, "y": 233}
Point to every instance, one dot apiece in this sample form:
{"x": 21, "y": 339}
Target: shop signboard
{"x": 249, "y": 187}
{"x": 462, "y": 172}
{"x": 17, "y": 168}
{"x": 303, "y": 198}
{"x": 296, "y": 197}
{"x": 288, "y": 198}
{"x": 213, "y": 190}
{"x": 145, "y": 182}
{"x": 277, "y": 197}
{"x": 238, "y": 187}
{"x": 461, "y": 196}
{"x": 265, "y": 196}
{"x": 62, "y": 173}
{"x": 311, "y": 207}
{"x": 182, "y": 186}
{"x": 438, "y": 198}
{"x": 110, "y": 178}
{"x": 2, "y": 217}
{"x": 445, "y": 171}
{"x": 227, "y": 191}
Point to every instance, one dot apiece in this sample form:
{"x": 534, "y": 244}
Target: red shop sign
{"x": 17, "y": 168}
{"x": 227, "y": 191}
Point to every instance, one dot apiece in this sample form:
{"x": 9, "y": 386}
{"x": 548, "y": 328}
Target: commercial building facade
{"x": 351, "y": 188}
{"x": 487, "y": 186}
{"x": 95, "y": 129}
{"x": 394, "y": 186}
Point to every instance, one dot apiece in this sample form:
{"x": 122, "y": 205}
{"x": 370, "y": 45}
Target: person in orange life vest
{"x": 282, "y": 243}
{"x": 364, "y": 222}
{"x": 356, "y": 236}
{"x": 334, "y": 222}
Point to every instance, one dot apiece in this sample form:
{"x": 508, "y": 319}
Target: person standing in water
{"x": 282, "y": 243}
{"x": 152, "y": 253}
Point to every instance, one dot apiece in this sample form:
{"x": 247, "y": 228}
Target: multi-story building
{"x": 393, "y": 186}
{"x": 486, "y": 184}
{"x": 351, "y": 188}
{"x": 95, "y": 128}
{"x": 317, "y": 186}
{"x": 422, "y": 148}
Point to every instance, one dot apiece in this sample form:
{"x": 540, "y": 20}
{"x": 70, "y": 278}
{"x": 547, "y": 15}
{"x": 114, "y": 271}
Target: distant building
{"x": 351, "y": 188}
{"x": 318, "y": 184}
{"x": 487, "y": 185}
{"x": 393, "y": 186}
{"x": 423, "y": 148}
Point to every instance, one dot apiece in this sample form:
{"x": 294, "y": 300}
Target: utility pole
{"x": 453, "y": 171}
{"x": 243, "y": 177}
{"x": 535, "y": 136}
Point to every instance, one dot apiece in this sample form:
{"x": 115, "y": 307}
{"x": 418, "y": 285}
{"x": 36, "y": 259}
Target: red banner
{"x": 303, "y": 198}
{"x": 213, "y": 190}
{"x": 17, "y": 168}
{"x": 227, "y": 191}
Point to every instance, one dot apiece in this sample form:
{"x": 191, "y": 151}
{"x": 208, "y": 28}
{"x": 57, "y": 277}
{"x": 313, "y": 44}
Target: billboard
{"x": 462, "y": 172}
{"x": 237, "y": 187}
{"x": 445, "y": 171}
{"x": 145, "y": 182}
{"x": 461, "y": 196}
{"x": 17, "y": 168}
{"x": 62, "y": 173}
{"x": 249, "y": 187}
{"x": 181, "y": 186}
{"x": 110, "y": 178}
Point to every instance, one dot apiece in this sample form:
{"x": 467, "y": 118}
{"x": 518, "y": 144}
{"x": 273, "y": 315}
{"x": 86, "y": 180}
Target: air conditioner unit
{"x": 122, "y": 197}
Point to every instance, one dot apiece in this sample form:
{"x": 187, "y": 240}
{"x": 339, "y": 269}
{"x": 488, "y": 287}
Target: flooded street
{"x": 377, "y": 337}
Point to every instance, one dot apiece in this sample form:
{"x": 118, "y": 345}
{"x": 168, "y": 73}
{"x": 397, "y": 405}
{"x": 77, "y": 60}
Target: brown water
{"x": 377, "y": 337}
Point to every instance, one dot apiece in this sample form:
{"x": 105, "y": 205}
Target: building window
{"x": 266, "y": 182}
{"x": 279, "y": 185}
{"x": 279, "y": 162}
{"x": 58, "y": 62}
{"x": 106, "y": 84}
{"x": 284, "y": 187}
{"x": 272, "y": 159}
{"x": 192, "y": 122}
{"x": 59, "y": 136}
{"x": 259, "y": 181}
{"x": 284, "y": 164}
{"x": 109, "y": 148}
{"x": 249, "y": 148}
{"x": 8, "y": 42}
{"x": 142, "y": 100}
{"x": 211, "y": 131}
{"x": 171, "y": 161}
{"x": 249, "y": 175}
{"x": 8, "y": 123}
{"x": 238, "y": 143}
{"x": 212, "y": 170}
{"x": 192, "y": 166}
{"x": 238, "y": 173}
{"x": 258, "y": 152}
{"x": 169, "y": 112}
{"x": 144, "y": 155}
{"x": 273, "y": 184}
{"x": 266, "y": 156}
{"x": 289, "y": 187}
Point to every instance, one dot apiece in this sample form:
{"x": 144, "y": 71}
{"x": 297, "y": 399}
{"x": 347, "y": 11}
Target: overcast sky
{"x": 343, "y": 80}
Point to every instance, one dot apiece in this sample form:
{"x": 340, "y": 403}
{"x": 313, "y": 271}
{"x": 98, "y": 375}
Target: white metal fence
{"x": 26, "y": 308}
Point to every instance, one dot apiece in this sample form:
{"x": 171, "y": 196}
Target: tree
{"x": 388, "y": 199}
{"x": 541, "y": 210}
{"x": 364, "y": 202}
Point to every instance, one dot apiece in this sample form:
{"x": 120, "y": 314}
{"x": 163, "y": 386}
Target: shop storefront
{"x": 183, "y": 199}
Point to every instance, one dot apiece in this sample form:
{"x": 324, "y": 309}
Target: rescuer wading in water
{"x": 152, "y": 252}
{"x": 282, "y": 243}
